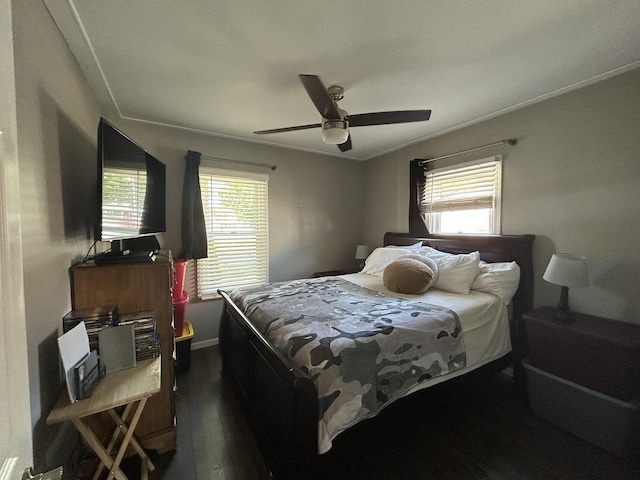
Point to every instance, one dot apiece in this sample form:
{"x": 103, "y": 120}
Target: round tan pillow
{"x": 407, "y": 275}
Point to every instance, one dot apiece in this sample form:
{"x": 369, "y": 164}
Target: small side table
{"x": 123, "y": 388}
{"x": 584, "y": 376}
{"x": 596, "y": 352}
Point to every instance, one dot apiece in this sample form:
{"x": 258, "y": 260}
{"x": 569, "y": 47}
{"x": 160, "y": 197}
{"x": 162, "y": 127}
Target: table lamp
{"x": 566, "y": 270}
{"x": 362, "y": 252}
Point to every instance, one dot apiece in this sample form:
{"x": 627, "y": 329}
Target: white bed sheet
{"x": 483, "y": 316}
{"x": 485, "y": 325}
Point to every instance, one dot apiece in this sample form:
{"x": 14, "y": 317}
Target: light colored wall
{"x": 57, "y": 116}
{"x": 315, "y": 205}
{"x": 15, "y": 421}
{"x": 572, "y": 180}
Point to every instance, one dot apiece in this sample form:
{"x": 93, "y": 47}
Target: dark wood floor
{"x": 470, "y": 430}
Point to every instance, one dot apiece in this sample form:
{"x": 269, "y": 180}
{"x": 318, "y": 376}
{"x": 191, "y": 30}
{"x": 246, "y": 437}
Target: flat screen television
{"x": 131, "y": 196}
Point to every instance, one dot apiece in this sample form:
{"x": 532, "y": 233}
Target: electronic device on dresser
{"x": 131, "y": 198}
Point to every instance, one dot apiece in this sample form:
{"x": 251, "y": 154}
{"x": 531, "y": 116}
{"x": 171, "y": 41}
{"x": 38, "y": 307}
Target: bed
{"x": 286, "y": 399}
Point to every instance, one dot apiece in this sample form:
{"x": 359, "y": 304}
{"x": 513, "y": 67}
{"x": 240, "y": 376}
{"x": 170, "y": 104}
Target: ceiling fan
{"x": 336, "y": 122}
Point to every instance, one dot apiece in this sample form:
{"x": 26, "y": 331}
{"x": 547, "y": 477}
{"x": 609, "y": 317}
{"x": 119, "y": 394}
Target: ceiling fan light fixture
{"x": 335, "y": 132}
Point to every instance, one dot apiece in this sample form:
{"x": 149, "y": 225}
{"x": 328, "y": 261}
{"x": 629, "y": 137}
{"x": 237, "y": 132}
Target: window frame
{"x": 433, "y": 220}
{"x": 206, "y": 289}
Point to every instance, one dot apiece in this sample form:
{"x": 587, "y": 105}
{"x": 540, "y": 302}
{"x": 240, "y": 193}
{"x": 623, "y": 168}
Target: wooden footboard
{"x": 282, "y": 401}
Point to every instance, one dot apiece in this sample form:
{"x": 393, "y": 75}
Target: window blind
{"x": 469, "y": 187}
{"x": 235, "y": 207}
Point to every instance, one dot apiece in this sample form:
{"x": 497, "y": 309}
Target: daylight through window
{"x": 236, "y": 215}
{"x": 464, "y": 198}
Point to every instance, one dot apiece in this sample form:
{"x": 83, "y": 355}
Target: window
{"x": 464, "y": 198}
{"x": 236, "y": 215}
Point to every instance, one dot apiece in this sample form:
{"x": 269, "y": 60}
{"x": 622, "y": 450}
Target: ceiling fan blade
{"x": 385, "y": 118}
{"x": 346, "y": 146}
{"x": 289, "y": 129}
{"x": 319, "y": 96}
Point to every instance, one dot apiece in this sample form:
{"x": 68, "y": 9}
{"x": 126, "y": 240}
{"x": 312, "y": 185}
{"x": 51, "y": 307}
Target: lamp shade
{"x": 567, "y": 270}
{"x": 335, "y": 132}
{"x": 362, "y": 252}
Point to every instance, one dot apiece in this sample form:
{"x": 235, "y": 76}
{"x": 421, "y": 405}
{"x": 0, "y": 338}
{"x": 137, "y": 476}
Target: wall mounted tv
{"x": 131, "y": 196}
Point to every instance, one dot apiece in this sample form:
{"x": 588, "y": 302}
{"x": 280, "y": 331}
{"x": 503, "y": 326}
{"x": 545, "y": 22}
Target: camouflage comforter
{"x": 361, "y": 348}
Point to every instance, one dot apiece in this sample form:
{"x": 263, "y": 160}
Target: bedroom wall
{"x": 315, "y": 205}
{"x": 15, "y": 416}
{"x": 572, "y": 180}
{"x": 56, "y": 125}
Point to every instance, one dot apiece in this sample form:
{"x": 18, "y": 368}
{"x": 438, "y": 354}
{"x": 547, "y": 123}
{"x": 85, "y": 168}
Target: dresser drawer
{"x": 593, "y": 416}
{"x": 595, "y": 352}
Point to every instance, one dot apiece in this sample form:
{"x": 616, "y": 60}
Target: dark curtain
{"x": 417, "y": 182}
{"x": 194, "y": 232}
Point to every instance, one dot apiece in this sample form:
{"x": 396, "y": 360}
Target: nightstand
{"x": 585, "y": 377}
{"x": 595, "y": 352}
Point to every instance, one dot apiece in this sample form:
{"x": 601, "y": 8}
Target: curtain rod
{"x": 508, "y": 141}
{"x": 207, "y": 157}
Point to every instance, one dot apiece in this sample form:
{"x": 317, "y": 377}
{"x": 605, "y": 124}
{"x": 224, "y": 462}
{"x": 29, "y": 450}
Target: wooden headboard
{"x": 492, "y": 248}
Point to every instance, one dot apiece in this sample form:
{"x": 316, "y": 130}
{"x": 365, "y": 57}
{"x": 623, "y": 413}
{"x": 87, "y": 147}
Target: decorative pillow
{"x": 501, "y": 279}
{"x": 383, "y": 256}
{"x": 430, "y": 262}
{"x": 408, "y": 275}
{"x": 456, "y": 273}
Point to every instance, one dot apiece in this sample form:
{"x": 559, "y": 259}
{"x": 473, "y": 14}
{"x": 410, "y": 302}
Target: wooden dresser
{"x": 137, "y": 287}
{"x": 598, "y": 353}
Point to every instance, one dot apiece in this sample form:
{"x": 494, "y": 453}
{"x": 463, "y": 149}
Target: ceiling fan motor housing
{"x": 336, "y": 92}
{"x": 335, "y": 132}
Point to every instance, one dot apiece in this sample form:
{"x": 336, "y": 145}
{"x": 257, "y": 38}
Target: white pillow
{"x": 432, "y": 252}
{"x": 457, "y": 272}
{"x": 415, "y": 248}
{"x": 383, "y": 256}
{"x": 501, "y": 279}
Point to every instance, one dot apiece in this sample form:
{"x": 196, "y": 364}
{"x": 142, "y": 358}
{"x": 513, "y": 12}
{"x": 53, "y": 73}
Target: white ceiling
{"x": 230, "y": 67}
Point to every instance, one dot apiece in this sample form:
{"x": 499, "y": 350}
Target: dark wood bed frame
{"x": 281, "y": 401}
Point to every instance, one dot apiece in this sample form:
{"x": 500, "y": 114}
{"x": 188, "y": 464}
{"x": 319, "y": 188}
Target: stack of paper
{"x": 74, "y": 347}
